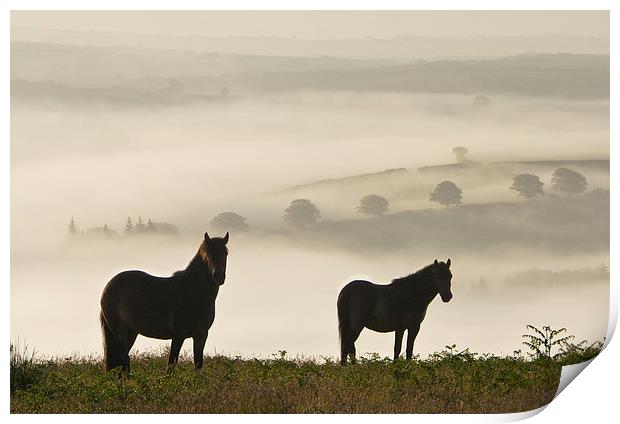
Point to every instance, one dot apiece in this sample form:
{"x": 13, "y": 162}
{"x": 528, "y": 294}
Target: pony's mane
{"x": 413, "y": 276}
{"x": 196, "y": 262}
{"x": 193, "y": 264}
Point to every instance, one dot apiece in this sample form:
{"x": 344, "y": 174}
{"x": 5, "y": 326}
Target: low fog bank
{"x": 413, "y": 129}
{"x": 280, "y": 296}
{"x": 184, "y": 165}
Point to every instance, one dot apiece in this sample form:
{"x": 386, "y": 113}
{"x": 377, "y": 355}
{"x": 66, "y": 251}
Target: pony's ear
{"x": 207, "y": 238}
{"x": 435, "y": 263}
{"x": 449, "y": 262}
{"x": 225, "y": 238}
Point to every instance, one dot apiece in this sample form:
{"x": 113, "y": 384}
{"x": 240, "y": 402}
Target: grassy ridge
{"x": 443, "y": 383}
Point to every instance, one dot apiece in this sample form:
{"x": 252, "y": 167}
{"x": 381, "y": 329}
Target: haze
{"x": 182, "y": 121}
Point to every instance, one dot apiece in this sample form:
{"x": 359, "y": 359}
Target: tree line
{"x": 303, "y": 213}
{"x": 131, "y": 228}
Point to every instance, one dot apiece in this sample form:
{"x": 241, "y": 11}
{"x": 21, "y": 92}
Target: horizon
{"x": 340, "y": 34}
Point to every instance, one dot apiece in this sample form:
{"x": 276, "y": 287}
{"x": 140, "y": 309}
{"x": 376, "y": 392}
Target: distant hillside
{"x": 599, "y": 164}
{"x": 150, "y": 68}
{"x": 563, "y": 224}
{"x": 462, "y": 168}
{"x": 560, "y": 75}
{"x": 354, "y": 179}
{"x": 81, "y": 69}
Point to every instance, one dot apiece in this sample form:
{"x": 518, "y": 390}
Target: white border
{"x": 593, "y": 397}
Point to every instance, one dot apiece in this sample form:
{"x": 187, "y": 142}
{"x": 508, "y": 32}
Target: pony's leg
{"x": 175, "y": 349}
{"x": 199, "y": 347}
{"x": 412, "y": 333}
{"x": 354, "y": 336}
{"x": 346, "y": 345}
{"x": 352, "y": 355}
{"x": 398, "y": 343}
{"x": 123, "y": 351}
{"x": 131, "y": 339}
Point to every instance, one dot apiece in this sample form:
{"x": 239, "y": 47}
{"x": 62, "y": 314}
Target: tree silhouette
{"x": 139, "y": 227}
{"x": 229, "y": 221}
{"x": 481, "y": 101}
{"x": 373, "y": 205}
{"x": 446, "y": 193}
{"x": 461, "y": 153}
{"x": 301, "y": 213}
{"x": 527, "y": 186}
{"x": 568, "y": 181}
{"x": 150, "y": 226}
{"x": 72, "y": 226}
{"x": 129, "y": 225}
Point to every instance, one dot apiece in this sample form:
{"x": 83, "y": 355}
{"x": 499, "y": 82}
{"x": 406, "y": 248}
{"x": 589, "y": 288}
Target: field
{"x": 446, "y": 382}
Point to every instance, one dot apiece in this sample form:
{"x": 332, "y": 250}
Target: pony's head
{"x": 442, "y": 278}
{"x": 214, "y": 253}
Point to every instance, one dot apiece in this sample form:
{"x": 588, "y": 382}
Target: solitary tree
{"x": 446, "y": 193}
{"x": 461, "y": 153}
{"x": 481, "y": 101}
{"x": 72, "y": 227}
{"x": 373, "y": 205}
{"x": 229, "y": 221}
{"x": 129, "y": 225}
{"x": 568, "y": 181}
{"x": 301, "y": 213}
{"x": 527, "y": 186}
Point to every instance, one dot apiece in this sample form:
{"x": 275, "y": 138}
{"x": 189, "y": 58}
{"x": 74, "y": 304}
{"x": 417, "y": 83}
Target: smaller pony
{"x": 176, "y": 307}
{"x": 397, "y": 307}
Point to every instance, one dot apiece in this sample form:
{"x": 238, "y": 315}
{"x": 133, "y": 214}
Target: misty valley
{"x": 173, "y": 139}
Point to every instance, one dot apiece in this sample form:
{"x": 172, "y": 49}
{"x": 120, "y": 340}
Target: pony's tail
{"x": 344, "y": 328}
{"x": 110, "y": 346}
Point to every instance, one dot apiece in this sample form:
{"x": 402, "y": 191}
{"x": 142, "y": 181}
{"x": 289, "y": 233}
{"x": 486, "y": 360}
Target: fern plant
{"x": 574, "y": 353}
{"x": 542, "y": 341}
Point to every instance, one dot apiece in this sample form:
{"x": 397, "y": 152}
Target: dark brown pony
{"x": 176, "y": 307}
{"x": 398, "y": 306}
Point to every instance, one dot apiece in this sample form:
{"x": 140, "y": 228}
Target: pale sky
{"x": 322, "y": 24}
